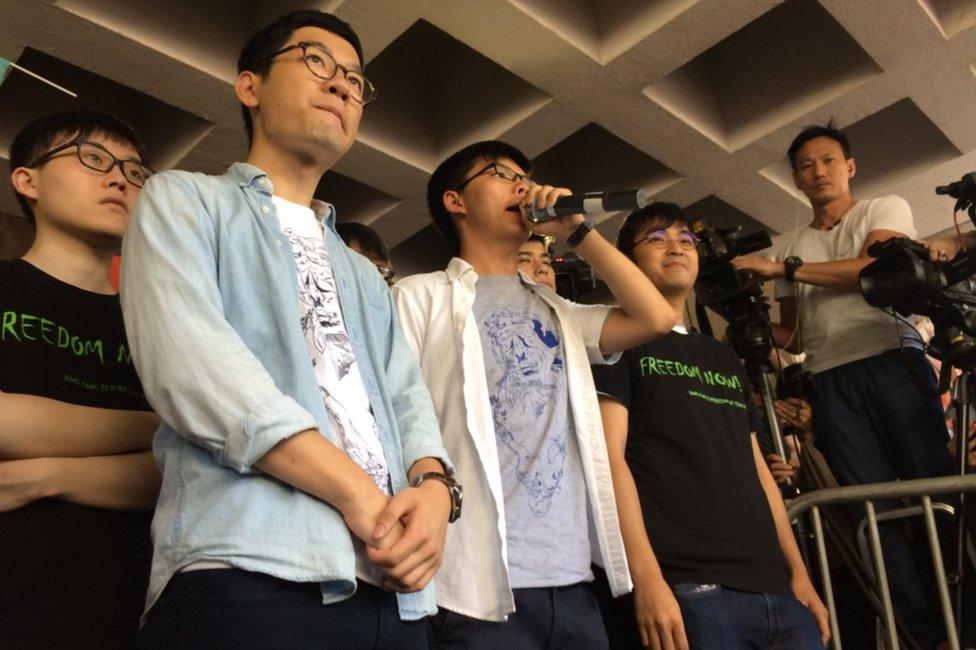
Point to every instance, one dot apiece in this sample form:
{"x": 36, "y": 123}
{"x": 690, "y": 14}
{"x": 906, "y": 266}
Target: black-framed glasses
{"x": 498, "y": 170}
{"x": 94, "y": 156}
{"x": 660, "y": 239}
{"x": 324, "y": 66}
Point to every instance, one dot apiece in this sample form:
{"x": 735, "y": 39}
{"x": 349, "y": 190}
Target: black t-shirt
{"x": 689, "y": 450}
{"x": 70, "y": 576}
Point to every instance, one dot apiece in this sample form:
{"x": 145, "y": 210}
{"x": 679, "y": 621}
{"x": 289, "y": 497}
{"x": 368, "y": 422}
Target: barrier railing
{"x": 878, "y": 594}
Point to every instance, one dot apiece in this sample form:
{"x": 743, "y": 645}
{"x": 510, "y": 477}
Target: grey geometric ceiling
{"x": 694, "y": 101}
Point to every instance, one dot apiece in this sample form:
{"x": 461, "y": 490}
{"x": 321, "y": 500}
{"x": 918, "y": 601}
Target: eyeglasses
{"x": 324, "y": 66}
{"x": 95, "y": 156}
{"x": 660, "y": 239}
{"x": 498, "y": 170}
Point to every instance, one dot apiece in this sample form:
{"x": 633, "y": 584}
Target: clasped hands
{"x": 404, "y": 534}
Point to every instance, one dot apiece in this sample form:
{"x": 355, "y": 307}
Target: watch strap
{"x": 790, "y": 265}
{"x": 453, "y": 488}
{"x": 581, "y": 231}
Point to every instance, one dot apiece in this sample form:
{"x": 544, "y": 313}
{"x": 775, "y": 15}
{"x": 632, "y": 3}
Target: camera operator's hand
{"x": 543, "y": 196}
{"x": 794, "y": 412}
{"x": 780, "y": 469}
{"x": 763, "y": 267}
{"x": 943, "y": 249}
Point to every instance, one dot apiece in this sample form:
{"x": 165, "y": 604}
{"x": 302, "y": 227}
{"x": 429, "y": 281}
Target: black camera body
{"x": 573, "y": 276}
{"x": 732, "y": 294}
{"x": 718, "y": 281}
{"x": 903, "y": 278}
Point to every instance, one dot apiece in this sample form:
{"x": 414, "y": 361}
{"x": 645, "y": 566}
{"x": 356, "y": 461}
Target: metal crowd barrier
{"x": 878, "y": 594}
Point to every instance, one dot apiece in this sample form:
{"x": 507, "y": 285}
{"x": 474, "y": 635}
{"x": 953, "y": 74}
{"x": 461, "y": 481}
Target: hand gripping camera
{"x": 903, "y": 278}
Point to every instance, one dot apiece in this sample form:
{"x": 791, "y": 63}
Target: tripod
{"x": 957, "y": 350}
{"x": 752, "y": 337}
{"x": 762, "y": 370}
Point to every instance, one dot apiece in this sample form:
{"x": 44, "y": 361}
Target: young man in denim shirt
{"x": 303, "y": 470}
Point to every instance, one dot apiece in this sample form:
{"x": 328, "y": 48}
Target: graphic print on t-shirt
{"x": 689, "y": 450}
{"x": 71, "y": 576}
{"x": 533, "y": 371}
{"x": 63, "y": 342}
{"x": 656, "y": 366}
{"x": 335, "y": 363}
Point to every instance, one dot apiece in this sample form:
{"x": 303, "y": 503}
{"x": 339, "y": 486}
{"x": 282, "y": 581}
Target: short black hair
{"x": 541, "y": 240}
{"x": 38, "y": 137}
{"x": 255, "y": 54}
{"x": 659, "y": 214}
{"x": 369, "y": 240}
{"x": 538, "y": 238}
{"x": 451, "y": 173}
{"x": 828, "y": 130}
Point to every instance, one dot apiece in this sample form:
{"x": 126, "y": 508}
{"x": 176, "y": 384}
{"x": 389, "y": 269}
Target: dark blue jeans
{"x": 545, "y": 618}
{"x": 229, "y": 609}
{"x": 717, "y": 618}
{"x": 873, "y": 424}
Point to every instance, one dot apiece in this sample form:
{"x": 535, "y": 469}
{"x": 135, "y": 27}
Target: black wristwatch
{"x": 790, "y": 265}
{"x": 582, "y": 231}
{"x": 457, "y": 494}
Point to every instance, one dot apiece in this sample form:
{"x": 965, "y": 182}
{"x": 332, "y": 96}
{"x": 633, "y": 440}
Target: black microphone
{"x": 591, "y": 203}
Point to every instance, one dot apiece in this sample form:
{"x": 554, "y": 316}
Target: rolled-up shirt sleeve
{"x": 197, "y": 373}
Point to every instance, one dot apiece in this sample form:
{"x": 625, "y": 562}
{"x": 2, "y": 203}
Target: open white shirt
{"x": 435, "y": 312}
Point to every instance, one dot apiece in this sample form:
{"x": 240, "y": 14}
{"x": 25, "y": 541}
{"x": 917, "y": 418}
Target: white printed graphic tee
{"x": 336, "y": 368}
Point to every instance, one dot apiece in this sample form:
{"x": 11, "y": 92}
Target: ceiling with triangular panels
{"x": 695, "y": 101}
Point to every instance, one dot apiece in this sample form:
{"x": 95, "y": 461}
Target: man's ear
{"x": 246, "y": 88}
{"x": 851, "y": 168}
{"x": 24, "y": 181}
{"x": 454, "y": 203}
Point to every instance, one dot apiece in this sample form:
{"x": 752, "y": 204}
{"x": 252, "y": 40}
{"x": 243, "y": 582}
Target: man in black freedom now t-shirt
{"x": 711, "y": 553}
{"x": 77, "y": 482}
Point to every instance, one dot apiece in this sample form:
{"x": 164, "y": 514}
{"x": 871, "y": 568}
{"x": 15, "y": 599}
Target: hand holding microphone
{"x": 590, "y": 203}
{"x": 541, "y": 198}
{"x": 557, "y": 212}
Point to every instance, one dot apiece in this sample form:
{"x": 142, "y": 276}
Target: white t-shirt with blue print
{"x": 542, "y": 476}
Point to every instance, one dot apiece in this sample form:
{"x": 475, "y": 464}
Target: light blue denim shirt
{"x": 210, "y": 299}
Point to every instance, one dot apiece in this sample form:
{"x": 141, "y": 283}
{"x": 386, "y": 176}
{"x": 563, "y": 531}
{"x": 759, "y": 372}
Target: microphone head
{"x": 535, "y": 214}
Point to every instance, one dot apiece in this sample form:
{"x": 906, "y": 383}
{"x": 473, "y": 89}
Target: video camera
{"x": 718, "y": 281}
{"x": 903, "y": 278}
{"x": 732, "y": 294}
{"x": 573, "y": 276}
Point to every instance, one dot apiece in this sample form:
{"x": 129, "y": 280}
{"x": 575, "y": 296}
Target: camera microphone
{"x": 965, "y": 185}
{"x": 590, "y": 203}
